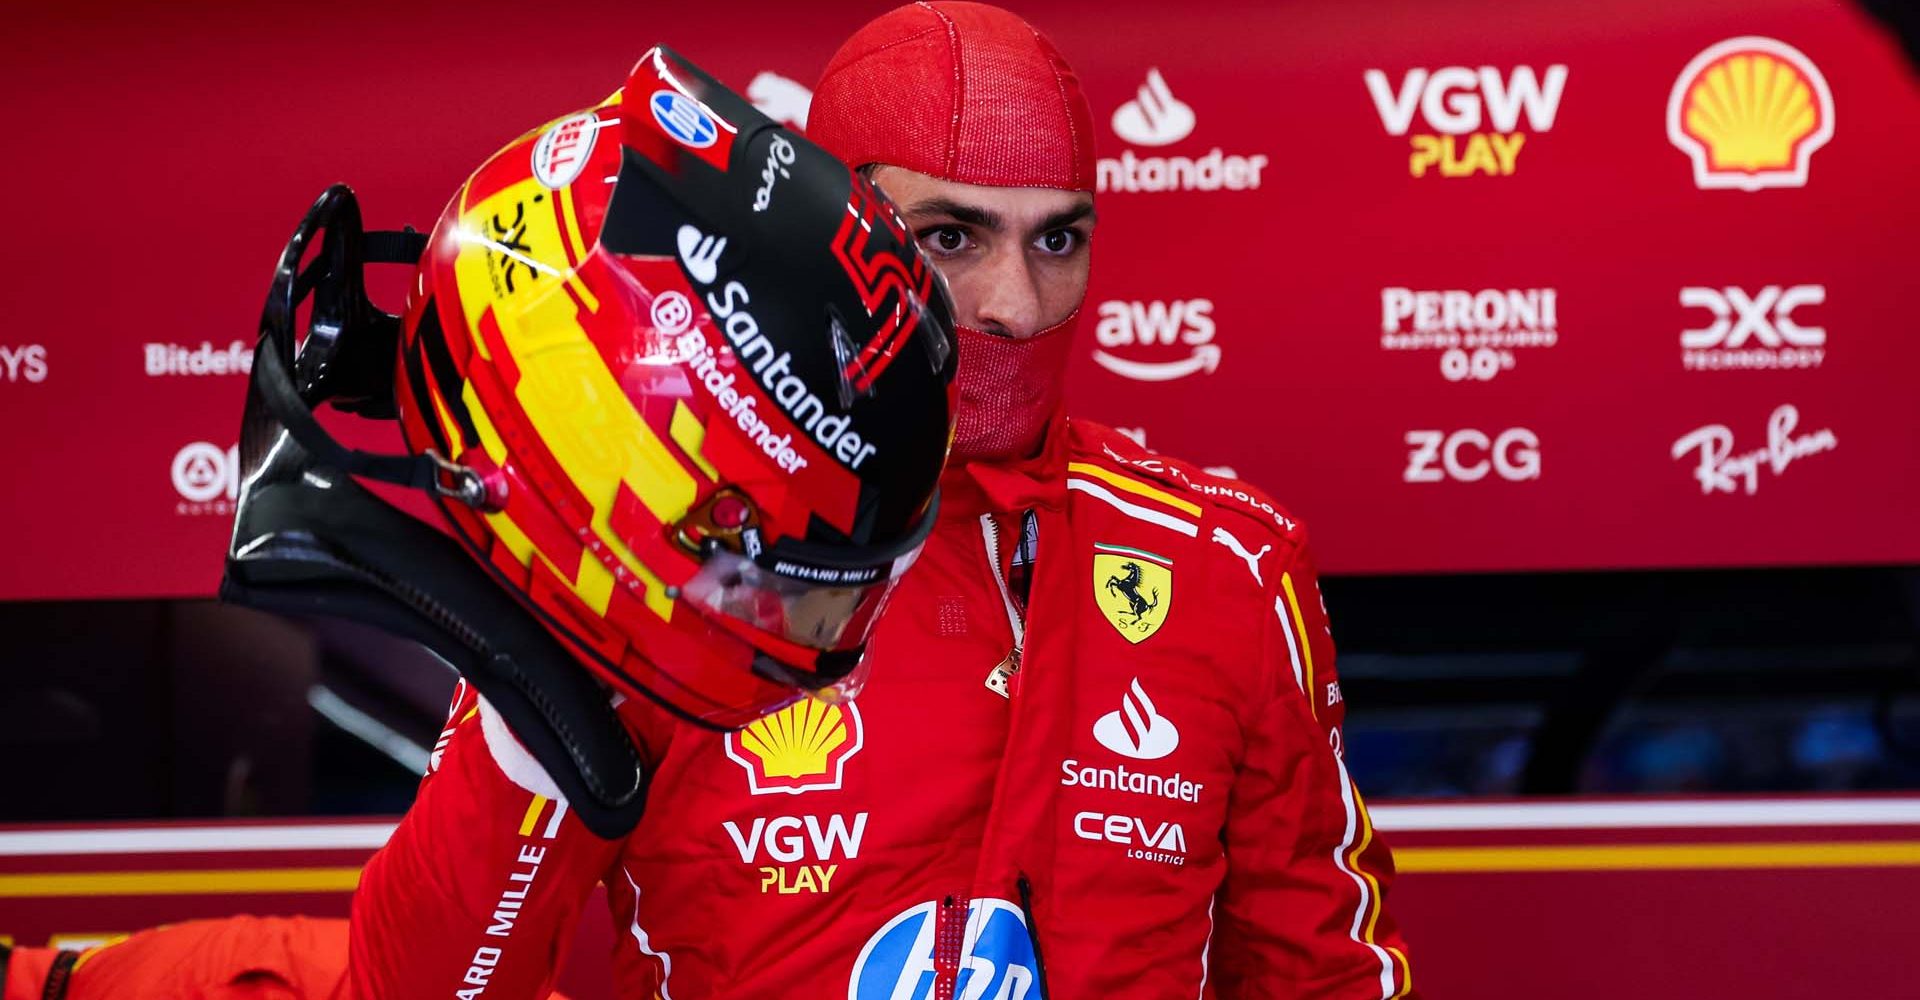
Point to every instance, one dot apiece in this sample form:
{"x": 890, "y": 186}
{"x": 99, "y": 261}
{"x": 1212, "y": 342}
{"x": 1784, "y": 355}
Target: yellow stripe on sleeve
{"x": 534, "y": 809}
{"x": 1306, "y": 644}
{"x": 1135, "y": 487}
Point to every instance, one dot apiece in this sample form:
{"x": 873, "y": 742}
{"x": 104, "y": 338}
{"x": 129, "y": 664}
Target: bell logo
{"x": 1137, "y": 730}
{"x": 1456, "y": 102}
{"x": 1183, "y": 321}
{"x": 801, "y": 748}
{"x": 1750, "y": 112}
{"x": 561, "y": 152}
{"x": 1156, "y": 117}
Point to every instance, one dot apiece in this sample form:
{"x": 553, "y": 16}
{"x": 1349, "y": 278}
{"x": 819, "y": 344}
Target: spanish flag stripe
{"x": 534, "y": 809}
{"x": 1134, "y": 486}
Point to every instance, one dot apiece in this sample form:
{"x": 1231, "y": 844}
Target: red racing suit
{"x": 232, "y": 958}
{"x": 1155, "y": 807}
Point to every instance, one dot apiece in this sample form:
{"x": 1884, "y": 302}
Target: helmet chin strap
{"x": 1010, "y": 388}
{"x": 310, "y": 541}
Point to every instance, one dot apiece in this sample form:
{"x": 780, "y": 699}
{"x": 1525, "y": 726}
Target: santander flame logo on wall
{"x": 1750, "y": 112}
{"x": 1143, "y": 733}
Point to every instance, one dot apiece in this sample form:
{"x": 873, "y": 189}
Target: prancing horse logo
{"x": 1129, "y": 587}
{"x": 1133, "y": 588}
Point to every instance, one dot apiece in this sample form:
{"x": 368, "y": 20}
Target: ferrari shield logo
{"x": 1133, "y": 587}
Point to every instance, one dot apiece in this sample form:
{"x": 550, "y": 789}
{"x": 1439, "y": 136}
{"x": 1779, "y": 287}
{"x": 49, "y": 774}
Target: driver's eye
{"x": 949, "y": 239}
{"x": 1059, "y": 242}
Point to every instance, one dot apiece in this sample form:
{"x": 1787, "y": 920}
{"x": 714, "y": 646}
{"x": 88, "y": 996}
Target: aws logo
{"x": 1750, "y": 112}
{"x": 1186, "y": 323}
{"x": 801, "y": 748}
{"x": 1472, "y": 116}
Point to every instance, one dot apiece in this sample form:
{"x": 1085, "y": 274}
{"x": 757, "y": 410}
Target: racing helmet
{"x": 679, "y": 382}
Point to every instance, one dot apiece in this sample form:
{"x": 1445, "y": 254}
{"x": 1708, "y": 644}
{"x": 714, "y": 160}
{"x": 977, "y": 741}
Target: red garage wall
{"x": 1442, "y": 277}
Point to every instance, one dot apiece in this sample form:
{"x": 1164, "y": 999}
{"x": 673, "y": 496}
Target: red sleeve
{"x": 1300, "y": 914}
{"x": 479, "y": 890}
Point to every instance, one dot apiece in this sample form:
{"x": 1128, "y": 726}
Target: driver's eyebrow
{"x": 972, "y": 215}
{"x": 1066, "y": 217}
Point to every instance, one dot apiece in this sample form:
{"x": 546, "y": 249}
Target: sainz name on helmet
{"x": 676, "y": 379}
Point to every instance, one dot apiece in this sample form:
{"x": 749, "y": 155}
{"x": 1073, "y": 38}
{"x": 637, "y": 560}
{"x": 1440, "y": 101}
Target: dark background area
{"x": 1536, "y": 684}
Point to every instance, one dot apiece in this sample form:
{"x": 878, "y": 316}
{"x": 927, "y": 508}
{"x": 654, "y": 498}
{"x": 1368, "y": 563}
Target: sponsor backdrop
{"x": 1467, "y": 286}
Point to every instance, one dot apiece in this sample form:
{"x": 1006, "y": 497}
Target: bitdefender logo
{"x": 1471, "y": 116}
{"x": 1155, "y": 118}
{"x": 164, "y": 360}
{"x": 1137, "y": 730}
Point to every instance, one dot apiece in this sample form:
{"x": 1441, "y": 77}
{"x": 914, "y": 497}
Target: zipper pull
{"x": 1000, "y": 678}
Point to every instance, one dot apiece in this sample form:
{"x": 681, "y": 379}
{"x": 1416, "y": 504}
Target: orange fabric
{"x": 27, "y": 973}
{"x": 236, "y": 958}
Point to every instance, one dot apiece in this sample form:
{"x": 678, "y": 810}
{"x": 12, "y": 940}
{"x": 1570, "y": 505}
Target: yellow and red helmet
{"x": 692, "y": 383}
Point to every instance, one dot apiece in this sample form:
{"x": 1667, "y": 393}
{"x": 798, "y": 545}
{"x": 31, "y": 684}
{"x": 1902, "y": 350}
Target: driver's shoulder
{"x": 1108, "y": 466}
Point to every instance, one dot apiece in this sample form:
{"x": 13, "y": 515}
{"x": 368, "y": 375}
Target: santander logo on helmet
{"x": 1137, "y": 729}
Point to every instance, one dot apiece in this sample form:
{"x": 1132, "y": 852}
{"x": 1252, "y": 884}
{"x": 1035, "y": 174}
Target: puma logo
{"x": 1252, "y": 559}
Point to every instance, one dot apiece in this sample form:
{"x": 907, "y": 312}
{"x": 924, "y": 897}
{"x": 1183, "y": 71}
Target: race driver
{"x": 1099, "y": 755}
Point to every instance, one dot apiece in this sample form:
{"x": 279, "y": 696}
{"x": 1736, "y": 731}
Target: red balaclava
{"x": 970, "y": 93}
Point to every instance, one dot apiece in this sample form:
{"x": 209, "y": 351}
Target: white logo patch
{"x": 701, "y": 253}
{"x": 1156, "y": 117}
{"x": 1252, "y": 559}
{"x": 1143, "y": 733}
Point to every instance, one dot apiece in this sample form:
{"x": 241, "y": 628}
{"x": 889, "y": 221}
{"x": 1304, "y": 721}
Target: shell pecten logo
{"x": 1750, "y": 112}
{"x": 801, "y": 748}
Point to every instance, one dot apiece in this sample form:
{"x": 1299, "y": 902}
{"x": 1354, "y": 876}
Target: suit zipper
{"x": 1000, "y": 678}
{"x": 949, "y": 935}
{"x": 1025, "y": 885}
